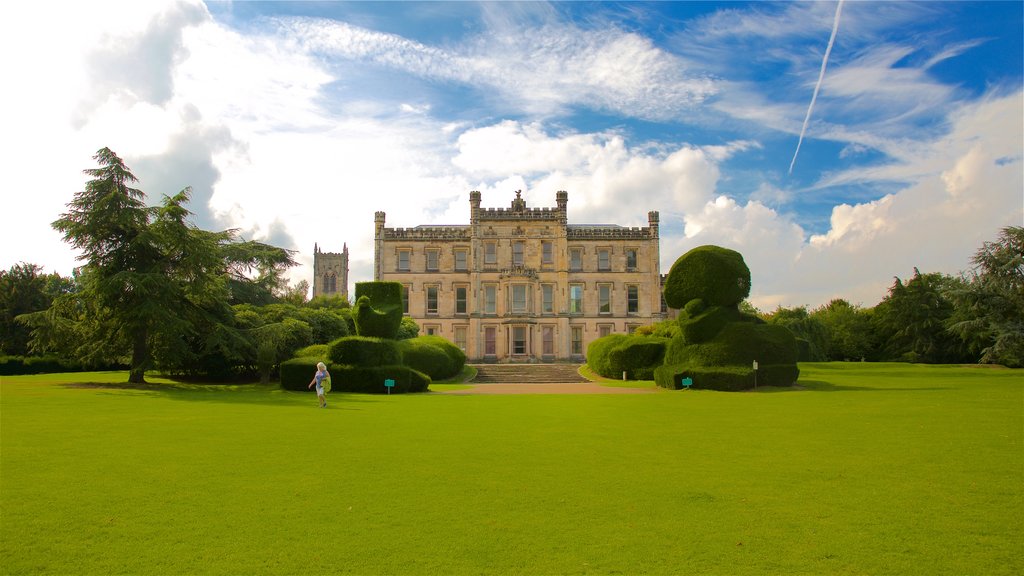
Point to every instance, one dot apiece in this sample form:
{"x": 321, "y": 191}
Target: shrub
{"x": 726, "y": 361}
{"x": 326, "y": 324}
{"x": 313, "y": 350}
{"x": 370, "y": 379}
{"x": 364, "y": 351}
{"x": 714, "y": 274}
{"x": 599, "y": 354}
{"x": 432, "y": 355}
{"x": 378, "y": 309}
{"x": 17, "y": 365}
{"x": 298, "y": 372}
{"x": 637, "y": 355}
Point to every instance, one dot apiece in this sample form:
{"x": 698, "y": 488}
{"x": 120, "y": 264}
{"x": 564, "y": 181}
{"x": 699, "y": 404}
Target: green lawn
{"x": 868, "y": 469}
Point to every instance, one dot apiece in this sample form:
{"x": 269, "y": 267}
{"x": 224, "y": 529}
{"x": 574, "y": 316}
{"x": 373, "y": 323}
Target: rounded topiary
{"x": 370, "y": 379}
{"x": 716, "y": 275}
{"x": 433, "y": 355}
{"x": 378, "y": 309}
{"x": 364, "y": 351}
{"x": 636, "y": 355}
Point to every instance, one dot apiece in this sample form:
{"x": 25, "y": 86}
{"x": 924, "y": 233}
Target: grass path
{"x": 869, "y": 469}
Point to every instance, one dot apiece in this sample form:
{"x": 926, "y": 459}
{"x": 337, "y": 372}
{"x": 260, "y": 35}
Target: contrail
{"x": 821, "y": 76}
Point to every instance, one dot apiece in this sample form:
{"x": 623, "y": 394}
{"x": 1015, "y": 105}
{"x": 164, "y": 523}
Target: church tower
{"x": 330, "y": 272}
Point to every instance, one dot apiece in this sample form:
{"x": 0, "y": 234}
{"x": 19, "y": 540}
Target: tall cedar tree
{"x": 151, "y": 278}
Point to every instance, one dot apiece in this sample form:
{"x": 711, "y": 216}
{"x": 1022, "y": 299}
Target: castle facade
{"x": 521, "y": 284}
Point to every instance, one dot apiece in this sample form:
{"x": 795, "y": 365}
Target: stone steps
{"x": 527, "y": 374}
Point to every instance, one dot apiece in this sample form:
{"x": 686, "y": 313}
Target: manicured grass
{"x": 868, "y": 469}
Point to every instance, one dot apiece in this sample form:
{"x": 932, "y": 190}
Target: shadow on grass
{"x": 265, "y": 394}
{"x": 825, "y": 386}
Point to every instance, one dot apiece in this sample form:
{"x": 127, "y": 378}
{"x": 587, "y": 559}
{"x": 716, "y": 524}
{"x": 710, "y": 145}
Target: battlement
{"x": 609, "y": 233}
{"x": 428, "y": 233}
{"x": 519, "y": 214}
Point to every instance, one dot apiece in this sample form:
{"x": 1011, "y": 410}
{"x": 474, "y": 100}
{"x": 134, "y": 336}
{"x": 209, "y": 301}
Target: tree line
{"x": 156, "y": 292}
{"x": 974, "y": 317}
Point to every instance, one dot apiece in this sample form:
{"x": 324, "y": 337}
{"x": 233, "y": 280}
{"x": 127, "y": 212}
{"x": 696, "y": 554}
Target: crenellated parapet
{"x": 428, "y": 233}
{"x": 610, "y": 233}
{"x": 523, "y": 214}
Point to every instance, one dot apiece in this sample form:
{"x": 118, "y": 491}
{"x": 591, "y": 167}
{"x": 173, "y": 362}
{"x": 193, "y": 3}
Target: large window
{"x": 460, "y": 337}
{"x": 604, "y": 259}
{"x": 461, "y": 260}
{"x": 575, "y": 259}
{"x": 432, "y": 258}
{"x": 403, "y": 260}
{"x": 576, "y": 298}
{"x": 547, "y": 292}
{"x": 577, "y": 340}
{"x": 518, "y": 340}
{"x": 330, "y": 283}
{"x": 519, "y": 298}
{"x": 517, "y": 253}
{"x": 604, "y": 298}
{"x": 490, "y": 299}
{"x": 547, "y": 253}
{"x": 405, "y": 298}
{"x": 460, "y": 299}
{"x": 490, "y": 253}
{"x": 431, "y": 299}
{"x": 490, "y": 341}
{"x": 630, "y": 258}
{"x": 547, "y": 336}
{"x": 632, "y": 299}
{"x": 604, "y": 330}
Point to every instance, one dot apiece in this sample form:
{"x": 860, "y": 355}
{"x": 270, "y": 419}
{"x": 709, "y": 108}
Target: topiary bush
{"x": 297, "y": 373}
{"x": 364, "y": 351}
{"x": 378, "y": 309}
{"x": 716, "y": 275}
{"x": 636, "y": 355}
{"x": 370, "y": 379}
{"x": 717, "y": 343}
{"x": 432, "y": 355}
{"x": 313, "y": 350}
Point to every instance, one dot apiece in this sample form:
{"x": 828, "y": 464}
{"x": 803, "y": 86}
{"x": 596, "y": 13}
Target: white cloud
{"x": 542, "y": 69}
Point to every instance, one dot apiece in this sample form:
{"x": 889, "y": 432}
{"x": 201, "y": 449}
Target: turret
{"x": 652, "y": 221}
{"x": 474, "y": 206}
{"x": 562, "y": 200}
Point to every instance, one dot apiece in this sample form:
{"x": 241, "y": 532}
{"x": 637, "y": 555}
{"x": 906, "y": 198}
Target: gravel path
{"x": 577, "y": 388}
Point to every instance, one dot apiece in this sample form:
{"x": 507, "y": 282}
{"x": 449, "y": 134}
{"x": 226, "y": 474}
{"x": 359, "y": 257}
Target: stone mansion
{"x": 521, "y": 284}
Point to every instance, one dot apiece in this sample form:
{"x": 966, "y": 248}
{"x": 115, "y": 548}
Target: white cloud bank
{"x": 243, "y": 119}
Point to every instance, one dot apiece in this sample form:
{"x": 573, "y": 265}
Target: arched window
{"x": 330, "y": 283}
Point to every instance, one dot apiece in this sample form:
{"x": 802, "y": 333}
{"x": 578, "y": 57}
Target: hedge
{"x": 17, "y": 365}
{"x": 635, "y": 354}
{"x": 714, "y": 274}
{"x": 370, "y": 379}
{"x": 319, "y": 350}
{"x": 432, "y": 355}
{"x": 297, "y": 373}
{"x": 378, "y": 309}
{"x": 364, "y": 351}
{"x": 725, "y": 378}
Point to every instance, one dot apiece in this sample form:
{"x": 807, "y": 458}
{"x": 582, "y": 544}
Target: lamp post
{"x": 755, "y": 374}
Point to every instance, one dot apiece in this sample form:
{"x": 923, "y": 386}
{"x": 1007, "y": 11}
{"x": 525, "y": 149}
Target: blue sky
{"x": 294, "y": 122}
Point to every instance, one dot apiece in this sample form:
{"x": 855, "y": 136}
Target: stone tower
{"x": 330, "y": 272}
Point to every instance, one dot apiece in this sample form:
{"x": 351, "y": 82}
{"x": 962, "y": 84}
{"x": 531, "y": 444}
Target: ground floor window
{"x": 547, "y": 336}
{"x": 460, "y": 337}
{"x": 518, "y": 340}
{"x": 577, "y": 340}
{"x": 490, "y": 341}
{"x": 604, "y": 330}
